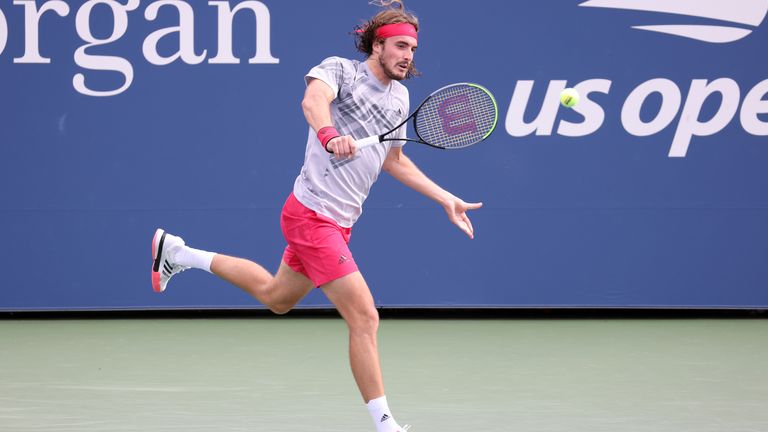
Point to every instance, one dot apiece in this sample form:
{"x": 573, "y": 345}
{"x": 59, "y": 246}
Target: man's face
{"x": 396, "y": 56}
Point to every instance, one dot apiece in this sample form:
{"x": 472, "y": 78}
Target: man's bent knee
{"x": 281, "y": 299}
{"x": 281, "y": 308}
{"x": 278, "y": 304}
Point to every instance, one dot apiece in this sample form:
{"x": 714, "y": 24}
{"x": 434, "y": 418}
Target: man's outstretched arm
{"x": 399, "y": 166}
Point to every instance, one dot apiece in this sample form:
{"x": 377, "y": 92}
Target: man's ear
{"x": 378, "y": 46}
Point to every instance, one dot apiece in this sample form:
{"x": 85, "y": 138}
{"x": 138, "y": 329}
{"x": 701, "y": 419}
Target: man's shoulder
{"x": 341, "y": 62}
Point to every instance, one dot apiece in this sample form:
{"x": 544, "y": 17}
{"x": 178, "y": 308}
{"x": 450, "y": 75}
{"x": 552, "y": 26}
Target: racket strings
{"x": 457, "y": 116}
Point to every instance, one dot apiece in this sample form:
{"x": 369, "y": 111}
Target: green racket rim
{"x": 495, "y": 108}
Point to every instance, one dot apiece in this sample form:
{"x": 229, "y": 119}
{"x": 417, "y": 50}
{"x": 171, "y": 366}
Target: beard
{"x": 392, "y": 73}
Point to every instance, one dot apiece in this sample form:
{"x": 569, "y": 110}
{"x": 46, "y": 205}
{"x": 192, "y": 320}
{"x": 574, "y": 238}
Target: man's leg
{"x": 279, "y": 293}
{"x": 170, "y": 255}
{"x": 352, "y": 297}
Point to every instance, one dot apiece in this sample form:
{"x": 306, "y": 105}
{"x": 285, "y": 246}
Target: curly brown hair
{"x": 394, "y": 12}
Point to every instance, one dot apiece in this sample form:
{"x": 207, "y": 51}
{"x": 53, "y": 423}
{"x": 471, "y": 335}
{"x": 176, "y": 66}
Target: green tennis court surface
{"x": 705, "y": 375}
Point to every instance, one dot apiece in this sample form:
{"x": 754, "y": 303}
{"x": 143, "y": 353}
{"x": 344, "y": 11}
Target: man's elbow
{"x": 391, "y": 164}
{"x": 387, "y": 167}
{"x": 308, "y": 103}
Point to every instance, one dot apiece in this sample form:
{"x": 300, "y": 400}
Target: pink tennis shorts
{"x": 317, "y": 247}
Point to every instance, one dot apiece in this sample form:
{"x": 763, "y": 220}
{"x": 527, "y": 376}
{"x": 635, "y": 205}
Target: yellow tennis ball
{"x": 569, "y": 97}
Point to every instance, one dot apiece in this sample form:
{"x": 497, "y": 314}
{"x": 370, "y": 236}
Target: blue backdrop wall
{"x": 122, "y": 116}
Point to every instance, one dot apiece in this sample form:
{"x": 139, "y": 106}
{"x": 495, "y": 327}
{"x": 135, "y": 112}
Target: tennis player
{"x": 344, "y": 99}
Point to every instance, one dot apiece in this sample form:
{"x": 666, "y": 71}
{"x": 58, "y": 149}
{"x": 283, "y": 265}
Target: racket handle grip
{"x": 367, "y": 141}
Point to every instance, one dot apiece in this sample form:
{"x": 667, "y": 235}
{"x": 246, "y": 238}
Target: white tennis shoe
{"x": 163, "y": 267}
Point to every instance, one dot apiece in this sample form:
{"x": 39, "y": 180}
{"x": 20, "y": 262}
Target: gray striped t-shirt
{"x": 363, "y": 106}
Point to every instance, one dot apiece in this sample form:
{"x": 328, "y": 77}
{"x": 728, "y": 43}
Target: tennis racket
{"x": 453, "y": 117}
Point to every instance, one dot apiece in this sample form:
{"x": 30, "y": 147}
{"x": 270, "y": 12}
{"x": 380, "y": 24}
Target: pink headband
{"x": 398, "y": 29}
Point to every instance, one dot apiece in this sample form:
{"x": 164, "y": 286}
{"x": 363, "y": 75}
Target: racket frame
{"x": 375, "y": 139}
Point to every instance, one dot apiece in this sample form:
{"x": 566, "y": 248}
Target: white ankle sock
{"x": 195, "y": 258}
{"x": 382, "y": 417}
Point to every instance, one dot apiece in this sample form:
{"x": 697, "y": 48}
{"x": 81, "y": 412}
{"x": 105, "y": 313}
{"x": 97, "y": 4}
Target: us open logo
{"x": 743, "y": 15}
{"x": 681, "y": 104}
